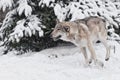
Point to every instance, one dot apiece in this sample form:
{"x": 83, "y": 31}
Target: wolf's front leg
{"x": 93, "y": 54}
{"x": 84, "y": 52}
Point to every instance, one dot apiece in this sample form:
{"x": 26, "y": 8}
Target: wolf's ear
{"x": 57, "y": 21}
{"x": 66, "y": 28}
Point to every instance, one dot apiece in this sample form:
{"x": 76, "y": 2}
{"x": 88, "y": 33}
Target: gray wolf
{"x": 84, "y": 33}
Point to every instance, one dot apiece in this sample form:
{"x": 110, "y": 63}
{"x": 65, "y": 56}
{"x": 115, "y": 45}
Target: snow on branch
{"x": 45, "y": 2}
{"x": 24, "y": 7}
{"x": 7, "y": 22}
{"x": 84, "y": 8}
{"x": 26, "y": 28}
{"x": 113, "y": 35}
{"x": 4, "y": 4}
{"x": 60, "y": 12}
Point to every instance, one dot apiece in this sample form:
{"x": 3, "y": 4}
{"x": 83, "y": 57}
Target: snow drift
{"x": 69, "y": 65}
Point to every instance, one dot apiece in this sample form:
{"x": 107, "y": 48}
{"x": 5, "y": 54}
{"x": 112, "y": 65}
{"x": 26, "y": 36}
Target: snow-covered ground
{"x": 69, "y": 65}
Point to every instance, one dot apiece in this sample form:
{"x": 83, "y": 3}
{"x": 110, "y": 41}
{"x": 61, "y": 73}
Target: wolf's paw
{"x": 86, "y": 65}
{"x": 99, "y": 63}
{"x": 90, "y": 61}
{"x": 106, "y": 59}
{"x": 102, "y": 64}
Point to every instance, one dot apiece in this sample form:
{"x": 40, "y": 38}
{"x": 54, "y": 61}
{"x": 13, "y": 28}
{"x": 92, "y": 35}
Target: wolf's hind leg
{"x": 104, "y": 41}
{"x": 107, "y": 49}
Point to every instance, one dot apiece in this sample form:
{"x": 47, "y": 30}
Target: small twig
{"x": 114, "y": 49}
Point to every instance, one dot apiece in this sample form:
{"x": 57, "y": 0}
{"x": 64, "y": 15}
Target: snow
{"x": 4, "y": 4}
{"x": 72, "y": 10}
{"x": 24, "y": 7}
{"x": 84, "y": 8}
{"x": 60, "y": 12}
{"x": 26, "y": 27}
{"x": 46, "y": 2}
{"x": 69, "y": 65}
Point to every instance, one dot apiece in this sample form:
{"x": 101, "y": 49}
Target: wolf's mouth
{"x": 56, "y": 38}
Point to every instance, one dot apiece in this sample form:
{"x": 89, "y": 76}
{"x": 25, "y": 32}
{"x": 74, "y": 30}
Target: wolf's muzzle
{"x": 56, "y": 38}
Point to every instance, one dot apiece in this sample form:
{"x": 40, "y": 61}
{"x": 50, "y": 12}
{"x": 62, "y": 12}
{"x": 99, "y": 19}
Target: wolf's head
{"x": 60, "y": 31}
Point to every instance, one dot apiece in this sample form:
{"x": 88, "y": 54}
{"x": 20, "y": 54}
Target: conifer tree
{"x": 28, "y": 23}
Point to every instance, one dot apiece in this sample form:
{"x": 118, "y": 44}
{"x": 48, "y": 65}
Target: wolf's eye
{"x": 58, "y": 29}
